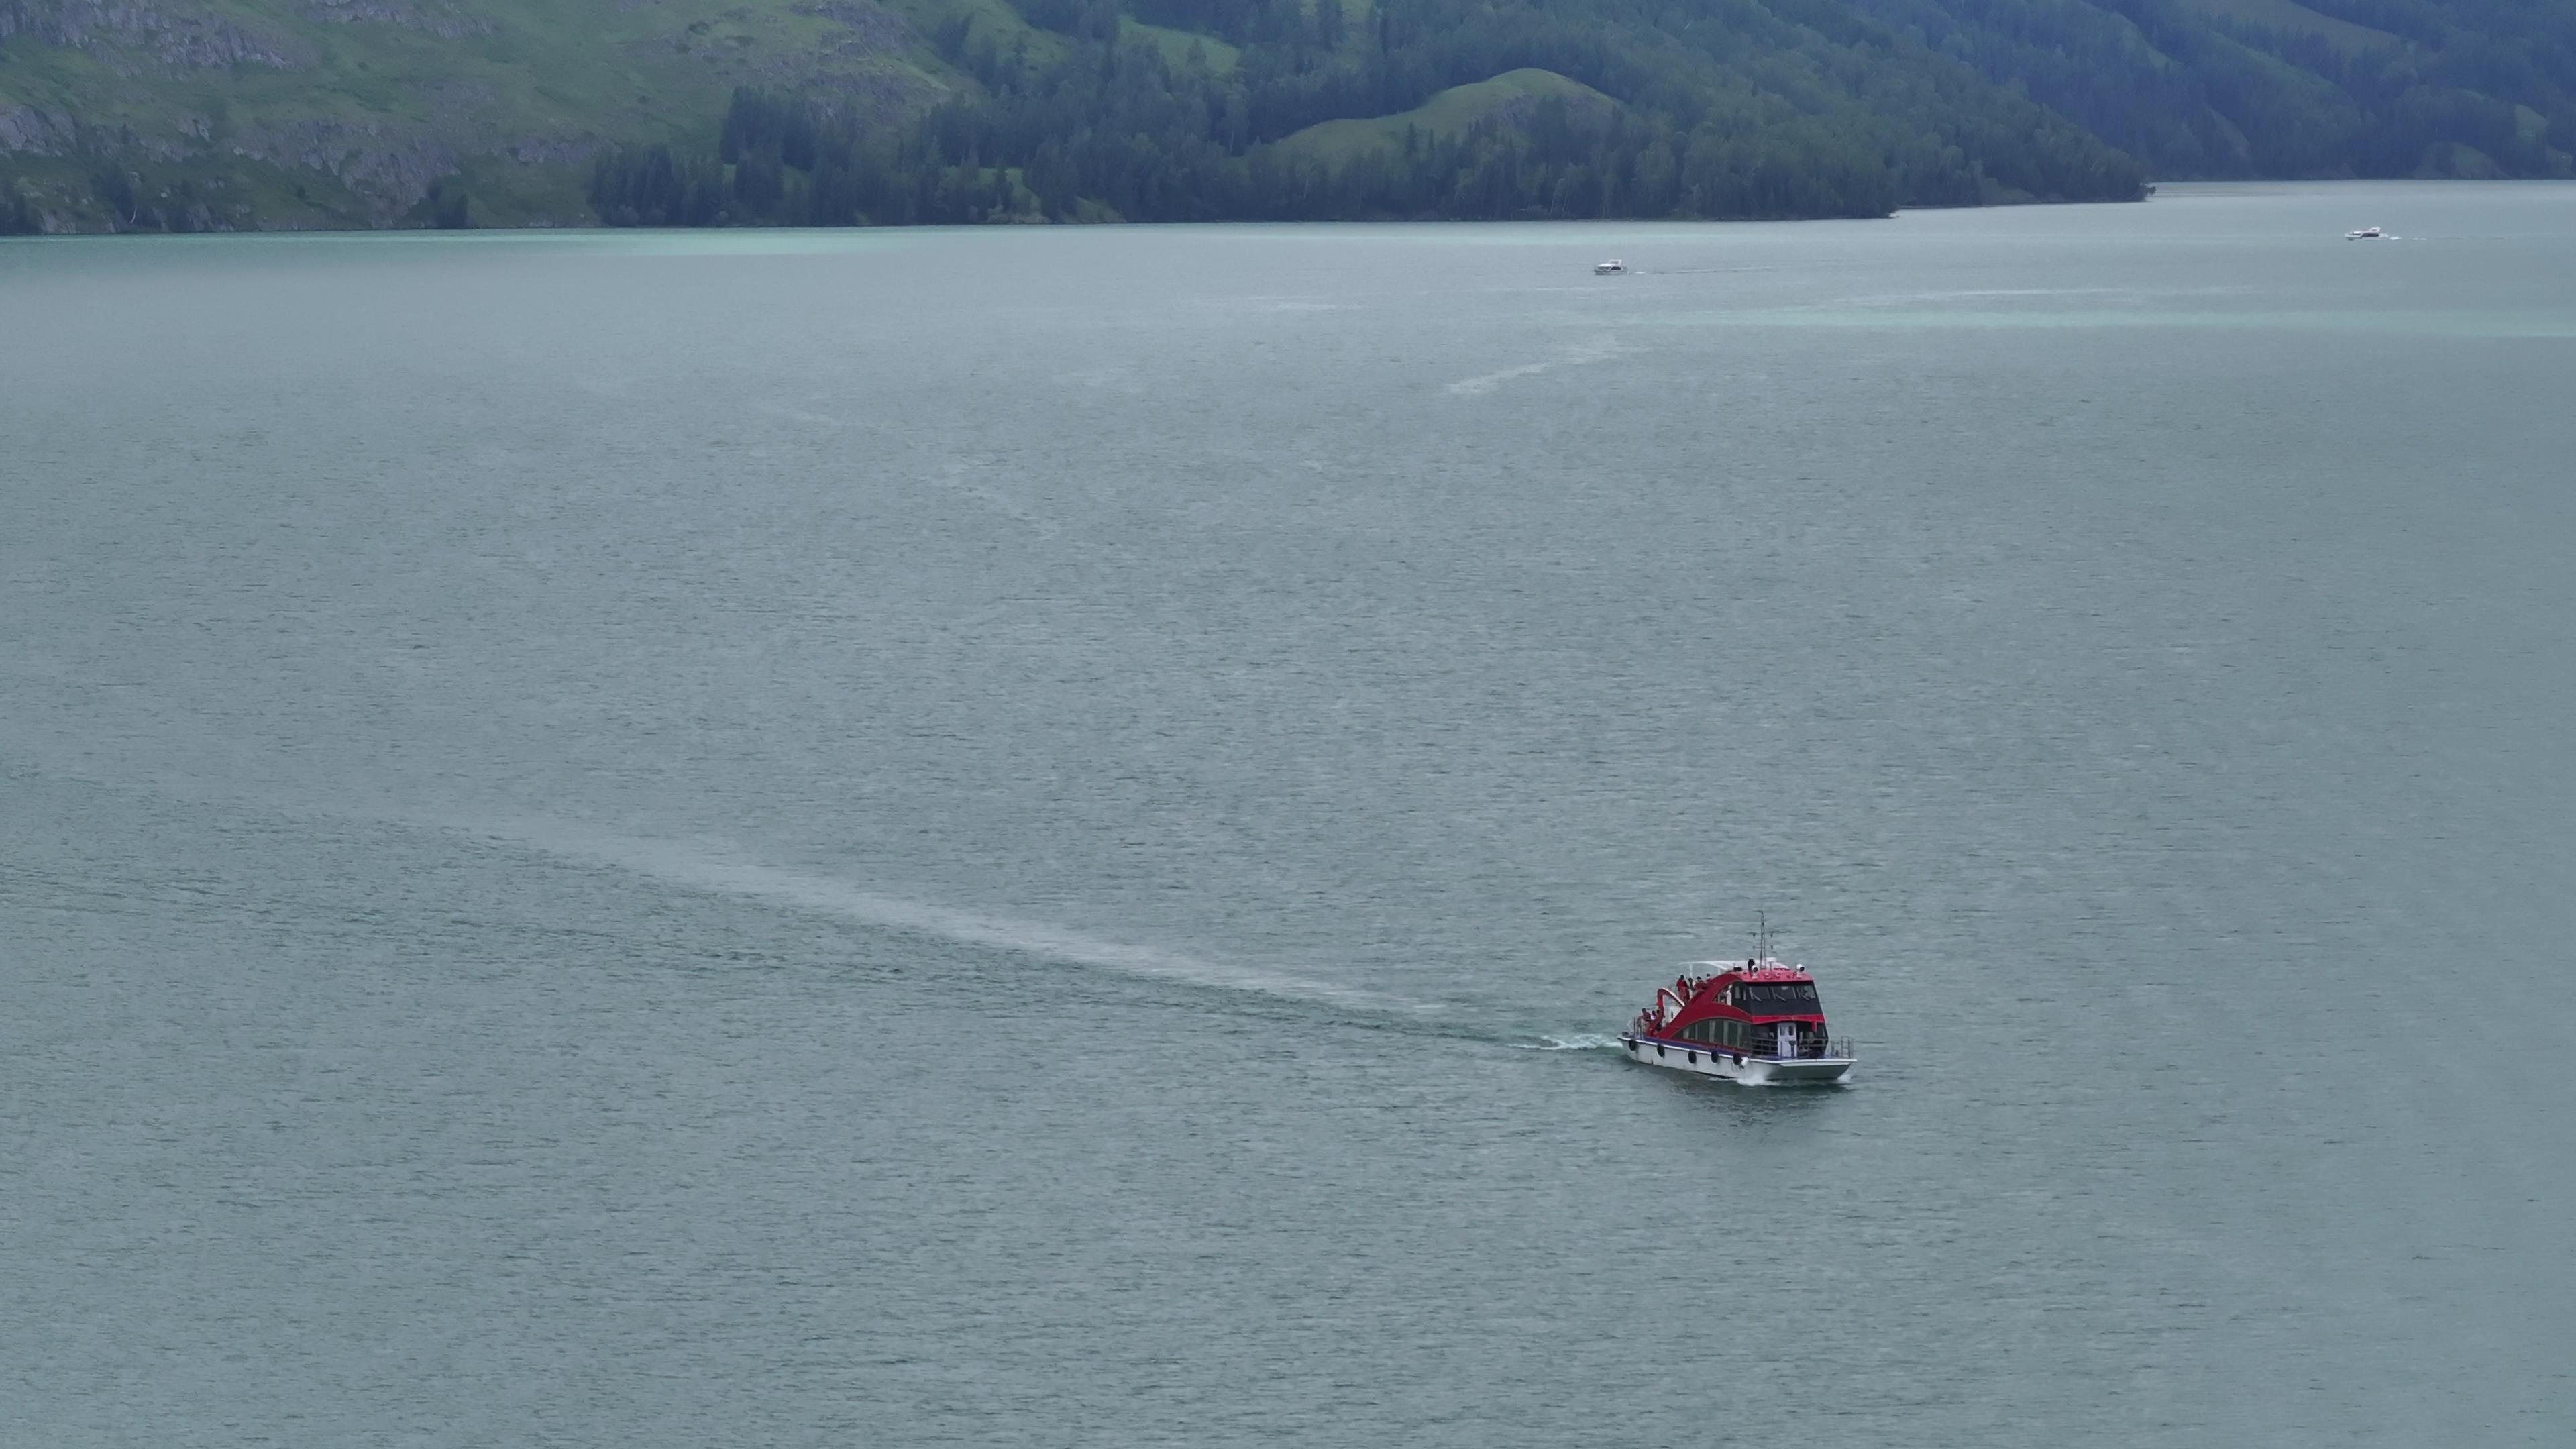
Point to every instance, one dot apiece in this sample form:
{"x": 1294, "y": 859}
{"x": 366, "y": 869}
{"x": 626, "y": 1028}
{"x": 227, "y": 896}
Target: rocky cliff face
{"x": 175, "y": 37}
{"x": 37, "y": 133}
{"x": 431, "y": 18}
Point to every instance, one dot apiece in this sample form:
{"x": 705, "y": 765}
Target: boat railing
{"x": 1834, "y": 1049}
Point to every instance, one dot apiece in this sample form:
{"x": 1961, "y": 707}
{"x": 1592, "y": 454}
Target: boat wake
{"x": 1580, "y": 1042}
{"x": 1580, "y": 354}
{"x": 721, "y": 869}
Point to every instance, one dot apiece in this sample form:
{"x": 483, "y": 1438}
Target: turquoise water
{"x": 1033, "y": 836}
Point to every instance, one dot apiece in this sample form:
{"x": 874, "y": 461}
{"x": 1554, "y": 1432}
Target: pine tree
{"x": 18, "y": 215}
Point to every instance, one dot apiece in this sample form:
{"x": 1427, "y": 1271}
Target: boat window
{"x": 1723, "y": 1032}
{"x": 1777, "y": 998}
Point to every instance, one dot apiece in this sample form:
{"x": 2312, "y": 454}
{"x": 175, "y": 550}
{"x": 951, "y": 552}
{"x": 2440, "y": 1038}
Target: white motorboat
{"x": 1611, "y": 268}
{"x": 2367, "y": 233}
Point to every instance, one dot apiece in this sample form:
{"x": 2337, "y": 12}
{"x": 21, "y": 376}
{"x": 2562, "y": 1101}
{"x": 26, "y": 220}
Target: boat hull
{"x": 1694, "y": 1059}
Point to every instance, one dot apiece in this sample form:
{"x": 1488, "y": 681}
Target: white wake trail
{"x": 722, "y": 869}
{"x": 1599, "y": 349}
{"x": 1588, "y": 1041}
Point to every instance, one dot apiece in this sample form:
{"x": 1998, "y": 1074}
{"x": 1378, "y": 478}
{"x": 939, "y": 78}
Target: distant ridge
{"x": 211, "y": 114}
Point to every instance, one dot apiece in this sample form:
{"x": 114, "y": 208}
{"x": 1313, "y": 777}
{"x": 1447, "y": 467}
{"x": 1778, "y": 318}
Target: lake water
{"x": 1033, "y": 837}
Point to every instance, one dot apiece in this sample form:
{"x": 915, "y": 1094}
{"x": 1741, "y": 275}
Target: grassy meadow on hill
{"x": 1448, "y": 116}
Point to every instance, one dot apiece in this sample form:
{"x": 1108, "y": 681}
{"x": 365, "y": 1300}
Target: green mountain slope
{"x": 190, "y": 114}
{"x": 1740, "y": 112}
{"x": 347, "y": 112}
{"x": 1450, "y": 115}
{"x": 2280, "y": 88}
{"x": 2290, "y": 18}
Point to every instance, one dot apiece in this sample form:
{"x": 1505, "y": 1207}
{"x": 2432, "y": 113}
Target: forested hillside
{"x": 198, "y": 114}
{"x": 1614, "y": 117}
{"x": 2281, "y": 88}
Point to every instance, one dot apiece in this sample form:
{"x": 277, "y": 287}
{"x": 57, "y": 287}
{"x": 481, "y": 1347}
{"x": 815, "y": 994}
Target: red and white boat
{"x": 1755, "y": 1020}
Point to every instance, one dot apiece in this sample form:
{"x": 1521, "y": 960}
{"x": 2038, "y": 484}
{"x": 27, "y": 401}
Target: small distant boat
{"x": 1754, "y": 1021}
{"x": 2367, "y": 233}
{"x": 1611, "y": 268}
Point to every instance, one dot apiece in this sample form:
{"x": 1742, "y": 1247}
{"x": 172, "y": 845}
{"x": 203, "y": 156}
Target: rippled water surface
{"x": 1029, "y": 837}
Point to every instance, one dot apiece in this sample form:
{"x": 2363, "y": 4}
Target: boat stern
{"x": 1794, "y": 1071}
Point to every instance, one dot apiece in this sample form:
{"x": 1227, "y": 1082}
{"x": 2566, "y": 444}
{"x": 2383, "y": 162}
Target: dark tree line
{"x": 137, "y": 205}
{"x": 447, "y": 207}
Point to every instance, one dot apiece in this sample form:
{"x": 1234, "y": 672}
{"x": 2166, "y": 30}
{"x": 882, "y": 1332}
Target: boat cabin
{"x": 1761, "y": 1008}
